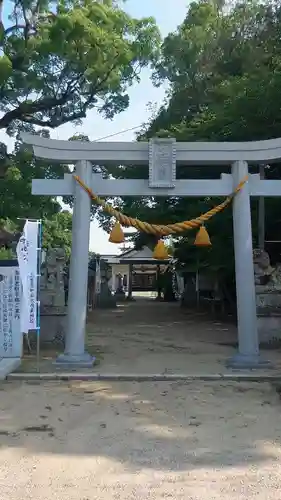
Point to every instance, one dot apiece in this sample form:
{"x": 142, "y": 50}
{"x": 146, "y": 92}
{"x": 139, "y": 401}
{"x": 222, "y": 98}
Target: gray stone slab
{"x": 158, "y": 377}
{"x": 7, "y": 366}
{"x": 69, "y": 360}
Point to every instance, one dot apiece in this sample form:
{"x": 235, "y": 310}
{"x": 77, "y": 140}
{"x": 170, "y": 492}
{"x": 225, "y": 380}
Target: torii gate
{"x": 162, "y": 156}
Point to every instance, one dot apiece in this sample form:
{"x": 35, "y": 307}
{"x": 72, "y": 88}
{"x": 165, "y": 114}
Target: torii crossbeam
{"x": 162, "y": 156}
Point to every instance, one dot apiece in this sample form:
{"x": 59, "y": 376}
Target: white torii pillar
{"x": 162, "y": 156}
{"x": 248, "y": 341}
{"x": 78, "y": 276}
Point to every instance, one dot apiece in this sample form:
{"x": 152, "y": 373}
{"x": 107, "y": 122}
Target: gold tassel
{"x": 116, "y": 235}
{"x": 160, "y": 251}
{"x": 202, "y": 238}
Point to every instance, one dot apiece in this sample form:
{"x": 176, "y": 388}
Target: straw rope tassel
{"x": 160, "y": 251}
{"x": 116, "y": 235}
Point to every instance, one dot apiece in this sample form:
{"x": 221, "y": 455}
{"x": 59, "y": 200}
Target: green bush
{"x": 6, "y": 253}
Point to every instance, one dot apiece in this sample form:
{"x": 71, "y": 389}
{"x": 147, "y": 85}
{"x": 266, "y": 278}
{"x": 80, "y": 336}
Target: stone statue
{"x": 266, "y": 275}
{"x": 268, "y": 297}
{"x": 52, "y": 279}
{"x": 262, "y": 267}
{"x": 105, "y": 299}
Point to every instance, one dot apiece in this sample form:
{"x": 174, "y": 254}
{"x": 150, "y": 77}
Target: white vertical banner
{"x": 27, "y": 254}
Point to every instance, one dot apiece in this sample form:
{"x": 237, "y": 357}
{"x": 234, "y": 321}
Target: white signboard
{"x": 10, "y": 326}
{"x": 27, "y": 253}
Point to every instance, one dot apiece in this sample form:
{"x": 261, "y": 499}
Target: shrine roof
{"x": 144, "y": 255}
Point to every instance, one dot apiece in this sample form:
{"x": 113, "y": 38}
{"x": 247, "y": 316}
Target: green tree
{"x": 223, "y": 69}
{"x": 7, "y": 231}
{"x": 57, "y": 232}
{"x": 217, "y": 59}
{"x": 58, "y": 60}
{"x": 61, "y": 59}
{"x": 17, "y": 171}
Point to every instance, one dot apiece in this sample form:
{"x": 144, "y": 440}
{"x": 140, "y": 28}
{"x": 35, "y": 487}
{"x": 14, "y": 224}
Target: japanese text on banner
{"x": 27, "y": 253}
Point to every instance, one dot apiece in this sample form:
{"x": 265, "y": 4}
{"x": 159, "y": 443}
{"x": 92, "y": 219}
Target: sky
{"x": 94, "y": 126}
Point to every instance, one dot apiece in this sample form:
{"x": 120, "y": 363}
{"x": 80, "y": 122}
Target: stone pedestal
{"x": 105, "y": 299}
{"x": 52, "y": 298}
{"x": 53, "y": 325}
{"x": 268, "y": 313}
{"x": 120, "y": 296}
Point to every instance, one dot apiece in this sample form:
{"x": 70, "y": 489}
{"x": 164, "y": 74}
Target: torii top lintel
{"x": 185, "y": 153}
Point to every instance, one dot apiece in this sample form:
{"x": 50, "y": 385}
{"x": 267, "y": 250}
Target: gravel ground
{"x": 86, "y": 441}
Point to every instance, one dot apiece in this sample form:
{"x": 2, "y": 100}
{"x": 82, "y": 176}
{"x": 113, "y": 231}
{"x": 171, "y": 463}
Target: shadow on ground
{"x": 160, "y": 426}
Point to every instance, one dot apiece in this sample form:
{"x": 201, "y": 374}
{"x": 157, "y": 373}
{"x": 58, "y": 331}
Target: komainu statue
{"x": 265, "y": 274}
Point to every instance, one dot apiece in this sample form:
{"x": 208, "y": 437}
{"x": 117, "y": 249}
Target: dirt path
{"x": 151, "y": 337}
{"x": 132, "y": 441}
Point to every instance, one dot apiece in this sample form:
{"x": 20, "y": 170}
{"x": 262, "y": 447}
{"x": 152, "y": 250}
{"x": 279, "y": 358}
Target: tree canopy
{"x": 17, "y": 171}
{"x": 223, "y": 66}
{"x": 61, "y": 59}
{"x": 57, "y": 61}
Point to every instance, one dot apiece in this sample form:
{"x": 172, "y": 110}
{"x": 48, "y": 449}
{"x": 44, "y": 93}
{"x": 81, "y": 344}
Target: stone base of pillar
{"x": 129, "y": 298}
{"x": 75, "y": 361}
{"x": 158, "y": 298}
{"x": 248, "y": 362}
